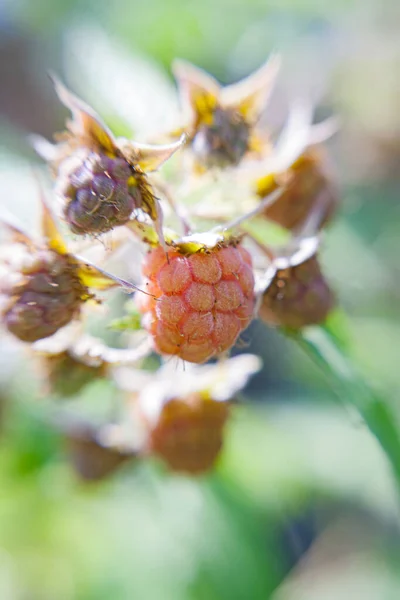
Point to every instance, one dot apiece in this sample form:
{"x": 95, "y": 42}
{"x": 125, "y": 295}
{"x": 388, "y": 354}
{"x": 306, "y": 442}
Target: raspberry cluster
{"x": 100, "y": 192}
{"x": 199, "y": 303}
{"x": 198, "y": 294}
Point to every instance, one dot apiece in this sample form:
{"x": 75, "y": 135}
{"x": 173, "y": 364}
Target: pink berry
{"x": 202, "y": 301}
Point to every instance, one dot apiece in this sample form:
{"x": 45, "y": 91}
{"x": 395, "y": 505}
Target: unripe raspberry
{"x": 99, "y": 192}
{"x": 201, "y": 302}
{"x": 66, "y": 376}
{"x": 224, "y": 141}
{"x": 188, "y": 434}
{"x": 298, "y": 296}
{"x": 100, "y": 178}
{"x": 308, "y": 188}
{"x": 90, "y": 458}
{"x": 40, "y": 291}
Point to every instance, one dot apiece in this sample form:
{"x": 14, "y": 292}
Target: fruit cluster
{"x": 199, "y": 290}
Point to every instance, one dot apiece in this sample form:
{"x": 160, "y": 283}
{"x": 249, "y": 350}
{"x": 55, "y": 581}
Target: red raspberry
{"x": 188, "y": 434}
{"x": 202, "y": 301}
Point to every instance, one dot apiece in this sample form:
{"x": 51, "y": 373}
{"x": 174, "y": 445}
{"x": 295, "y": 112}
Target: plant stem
{"x": 326, "y": 351}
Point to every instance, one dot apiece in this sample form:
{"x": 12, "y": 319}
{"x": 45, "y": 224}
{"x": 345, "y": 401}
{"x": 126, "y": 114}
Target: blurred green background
{"x": 302, "y": 504}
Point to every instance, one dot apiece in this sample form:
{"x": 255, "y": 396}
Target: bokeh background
{"x": 302, "y": 504}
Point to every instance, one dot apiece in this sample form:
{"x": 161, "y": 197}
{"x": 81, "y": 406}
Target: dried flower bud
{"x": 200, "y": 301}
{"x": 297, "y": 296}
{"x": 188, "y": 434}
{"x": 41, "y": 291}
{"x": 308, "y": 188}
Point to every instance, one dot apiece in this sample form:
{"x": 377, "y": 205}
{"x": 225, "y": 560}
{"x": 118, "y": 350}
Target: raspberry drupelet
{"x": 200, "y": 302}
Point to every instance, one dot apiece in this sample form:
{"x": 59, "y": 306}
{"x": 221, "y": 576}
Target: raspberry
{"x": 90, "y": 458}
{"x": 307, "y": 185}
{"x": 188, "y": 434}
{"x": 203, "y": 301}
{"x": 67, "y": 376}
{"x": 41, "y": 292}
{"x": 99, "y": 192}
{"x": 224, "y": 142}
{"x": 298, "y": 296}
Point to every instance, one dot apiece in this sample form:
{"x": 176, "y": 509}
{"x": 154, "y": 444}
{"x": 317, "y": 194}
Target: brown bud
{"x": 309, "y": 187}
{"x": 297, "y": 296}
{"x": 188, "y": 434}
{"x": 40, "y": 291}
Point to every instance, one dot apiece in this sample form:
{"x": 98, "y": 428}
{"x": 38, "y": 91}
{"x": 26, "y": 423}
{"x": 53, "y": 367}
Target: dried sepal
{"x": 99, "y": 279}
{"x": 251, "y": 95}
{"x": 50, "y": 232}
{"x": 198, "y": 90}
{"x": 86, "y": 125}
{"x": 149, "y": 157}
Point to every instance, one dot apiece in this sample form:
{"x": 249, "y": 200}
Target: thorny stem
{"x": 349, "y": 386}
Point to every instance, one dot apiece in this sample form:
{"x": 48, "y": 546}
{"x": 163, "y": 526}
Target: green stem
{"x": 330, "y": 355}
